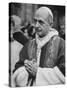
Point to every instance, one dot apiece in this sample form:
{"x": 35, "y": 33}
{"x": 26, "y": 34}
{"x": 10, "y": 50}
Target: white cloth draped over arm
{"x": 49, "y": 76}
{"x": 20, "y": 77}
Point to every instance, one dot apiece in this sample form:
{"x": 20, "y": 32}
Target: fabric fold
{"x": 49, "y": 76}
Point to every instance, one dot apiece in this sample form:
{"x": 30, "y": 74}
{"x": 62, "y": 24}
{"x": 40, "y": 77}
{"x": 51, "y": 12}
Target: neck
{"x": 42, "y": 36}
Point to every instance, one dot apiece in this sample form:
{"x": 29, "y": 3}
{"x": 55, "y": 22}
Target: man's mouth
{"x": 38, "y": 30}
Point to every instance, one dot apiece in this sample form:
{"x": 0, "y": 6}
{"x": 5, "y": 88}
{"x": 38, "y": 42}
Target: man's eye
{"x": 35, "y": 20}
{"x": 41, "y": 22}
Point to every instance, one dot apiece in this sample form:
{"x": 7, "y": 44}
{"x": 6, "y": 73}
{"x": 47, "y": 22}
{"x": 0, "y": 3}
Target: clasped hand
{"x": 31, "y": 67}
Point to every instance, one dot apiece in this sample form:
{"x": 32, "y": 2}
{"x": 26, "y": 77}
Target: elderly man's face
{"x": 41, "y": 24}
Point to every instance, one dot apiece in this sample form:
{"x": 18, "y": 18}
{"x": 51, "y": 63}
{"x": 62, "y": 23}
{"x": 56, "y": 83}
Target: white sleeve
{"x": 49, "y": 76}
{"x": 20, "y": 77}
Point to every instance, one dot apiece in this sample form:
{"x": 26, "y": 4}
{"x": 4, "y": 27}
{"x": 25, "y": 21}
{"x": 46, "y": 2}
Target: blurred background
{"x": 26, "y": 12}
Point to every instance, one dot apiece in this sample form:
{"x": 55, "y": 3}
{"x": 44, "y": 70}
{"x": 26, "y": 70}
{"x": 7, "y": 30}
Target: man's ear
{"x": 50, "y": 20}
{"x": 51, "y": 24}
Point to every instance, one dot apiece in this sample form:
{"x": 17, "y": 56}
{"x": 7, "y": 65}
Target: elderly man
{"x": 42, "y": 59}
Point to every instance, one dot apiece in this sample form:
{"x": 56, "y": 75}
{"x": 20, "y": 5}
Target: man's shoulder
{"x": 57, "y": 38}
{"x": 30, "y": 42}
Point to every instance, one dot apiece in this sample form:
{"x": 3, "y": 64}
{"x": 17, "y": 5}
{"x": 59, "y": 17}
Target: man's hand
{"x": 31, "y": 67}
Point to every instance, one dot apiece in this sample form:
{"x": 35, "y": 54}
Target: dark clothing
{"x": 52, "y": 54}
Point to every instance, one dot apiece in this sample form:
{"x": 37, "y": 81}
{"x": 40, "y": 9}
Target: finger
{"x": 28, "y": 69}
{"x": 27, "y": 66}
{"x": 34, "y": 60}
{"x": 26, "y": 61}
{"x": 31, "y": 72}
{"x": 32, "y": 67}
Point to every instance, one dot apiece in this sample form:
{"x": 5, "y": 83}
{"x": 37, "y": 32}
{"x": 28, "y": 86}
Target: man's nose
{"x": 37, "y": 24}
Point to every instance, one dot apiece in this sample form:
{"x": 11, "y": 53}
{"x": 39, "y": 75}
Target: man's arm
{"x": 22, "y": 56}
{"x": 61, "y": 57}
{"x": 20, "y": 72}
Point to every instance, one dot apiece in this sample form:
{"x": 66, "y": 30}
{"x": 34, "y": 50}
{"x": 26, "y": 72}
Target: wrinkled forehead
{"x": 41, "y": 15}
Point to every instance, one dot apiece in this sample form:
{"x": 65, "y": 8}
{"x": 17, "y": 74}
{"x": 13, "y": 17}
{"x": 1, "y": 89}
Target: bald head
{"x": 45, "y": 13}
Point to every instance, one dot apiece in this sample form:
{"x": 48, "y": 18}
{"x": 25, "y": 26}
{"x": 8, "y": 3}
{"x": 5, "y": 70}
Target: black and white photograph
{"x": 36, "y": 44}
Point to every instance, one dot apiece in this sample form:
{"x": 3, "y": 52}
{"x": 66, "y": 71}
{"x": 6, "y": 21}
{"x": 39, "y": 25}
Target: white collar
{"x": 42, "y": 41}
